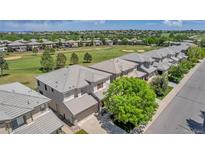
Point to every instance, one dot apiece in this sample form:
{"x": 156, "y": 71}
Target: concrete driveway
{"x": 103, "y": 125}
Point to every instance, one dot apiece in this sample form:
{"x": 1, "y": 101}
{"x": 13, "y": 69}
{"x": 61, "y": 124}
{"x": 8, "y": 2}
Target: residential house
{"x": 162, "y": 62}
{"x": 97, "y": 42}
{"x": 73, "y": 44}
{"x": 86, "y": 43}
{"x": 48, "y": 44}
{"x": 33, "y": 44}
{"x": 135, "y": 41}
{"x": 17, "y": 46}
{"x": 145, "y": 64}
{"x": 117, "y": 67}
{"x": 3, "y": 48}
{"x": 24, "y": 111}
{"x": 108, "y": 42}
{"x": 72, "y": 90}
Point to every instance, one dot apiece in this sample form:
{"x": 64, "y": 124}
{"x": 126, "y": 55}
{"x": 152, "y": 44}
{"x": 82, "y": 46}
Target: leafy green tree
{"x": 47, "y": 61}
{"x": 3, "y": 64}
{"x": 175, "y": 74}
{"x": 160, "y": 84}
{"x": 202, "y": 43}
{"x": 151, "y": 40}
{"x": 74, "y": 58}
{"x": 35, "y": 51}
{"x": 195, "y": 53}
{"x": 60, "y": 60}
{"x": 52, "y": 51}
{"x": 130, "y": 100}
{"x": 185, "y": 66}
{"x": 87, "y": 57}
{"x": 124, "y": 41}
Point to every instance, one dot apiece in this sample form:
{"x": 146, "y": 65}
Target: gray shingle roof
{"x": 100, "y": 94}
{"x": 137, "y": 58}
{"x": 72, "y": 77}
{"x": 81, "y": 104}
{"x": 47, "y": 123}
{"x": 17, "y": 99}
{"x": 175, "y": 59}
{"x": 16, "y": 43}
{"x": 148, "y": 70}
{"x": 161, "y": 66}
{"x": 114, "y": 66}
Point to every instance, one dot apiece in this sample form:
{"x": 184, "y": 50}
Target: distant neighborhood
{"x": 27, "y": 41}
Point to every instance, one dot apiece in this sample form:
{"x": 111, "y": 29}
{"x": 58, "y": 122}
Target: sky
{"x": 77, "y": 25}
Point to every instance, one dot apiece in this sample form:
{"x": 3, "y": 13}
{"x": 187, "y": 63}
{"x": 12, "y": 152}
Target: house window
{"x": 40, "y": 92}
{"x": 38, "y": 82}
{"x": 52, "y": 89}
{"x": 17, "y": 122}
{"x": 100, "y": 85}
{"x": 45, "y": 87}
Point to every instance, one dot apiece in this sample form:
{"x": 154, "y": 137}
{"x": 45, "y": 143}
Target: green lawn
{"x": 25, "y": 69}
{"x": 81, "y": 132}
{"x": 167, "y": 92}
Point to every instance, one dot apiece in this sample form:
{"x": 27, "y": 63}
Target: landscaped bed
{"x": 82, "y": 131}
{"x": 169, "y": 89}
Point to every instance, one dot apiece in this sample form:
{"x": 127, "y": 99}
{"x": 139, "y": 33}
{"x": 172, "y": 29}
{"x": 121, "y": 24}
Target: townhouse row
{"x": 22, "y": 45}
{"x": 75, "y": 92}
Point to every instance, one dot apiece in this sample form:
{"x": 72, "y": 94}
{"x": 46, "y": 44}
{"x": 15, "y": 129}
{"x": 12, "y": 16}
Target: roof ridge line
{"x": 68, "y": 70}
{"x": 21, "y": 93}
{"x": 21, "y": 107}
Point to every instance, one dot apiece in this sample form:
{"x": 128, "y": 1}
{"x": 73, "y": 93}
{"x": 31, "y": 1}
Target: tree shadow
{"x": 196, "y": 127}
{"x": 109, "y": 126}
{"x": 3, "y": 75}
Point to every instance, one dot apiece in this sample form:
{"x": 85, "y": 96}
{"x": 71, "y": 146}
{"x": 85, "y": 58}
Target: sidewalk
{"x": 164, "y": 103}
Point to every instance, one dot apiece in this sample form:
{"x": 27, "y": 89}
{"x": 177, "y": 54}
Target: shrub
{"x": 175, "y": 74}
{"x": 160, "y": 84}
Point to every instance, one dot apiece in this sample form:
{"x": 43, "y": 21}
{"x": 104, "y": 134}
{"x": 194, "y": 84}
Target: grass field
{"x": 25, "y": 69}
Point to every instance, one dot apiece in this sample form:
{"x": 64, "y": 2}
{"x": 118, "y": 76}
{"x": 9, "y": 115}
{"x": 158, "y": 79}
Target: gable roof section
{"x": 114, "y": 66}
{"x": 45, "y": 124}
{"x": 137, "y": 58}
{"x": 148, "y": 70}
{"x": 72, "y": 77}
{"x": 80, "y": 104}
{"x": 17, "y": 99}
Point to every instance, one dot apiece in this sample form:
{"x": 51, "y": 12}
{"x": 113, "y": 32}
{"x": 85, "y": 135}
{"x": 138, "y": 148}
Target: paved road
{"x": 184, "y": 114}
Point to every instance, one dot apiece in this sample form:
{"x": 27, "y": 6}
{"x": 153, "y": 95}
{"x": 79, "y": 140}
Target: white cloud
{"x": 99, "y": 22}
{"x": 173, "y": 23}
{"x": 95, "y": 22}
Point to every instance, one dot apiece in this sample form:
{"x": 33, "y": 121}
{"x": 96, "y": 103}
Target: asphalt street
{"x": 186, "y": 112}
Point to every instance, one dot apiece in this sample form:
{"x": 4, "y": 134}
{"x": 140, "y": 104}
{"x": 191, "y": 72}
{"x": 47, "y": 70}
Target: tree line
{"x": 48, "y": 63}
